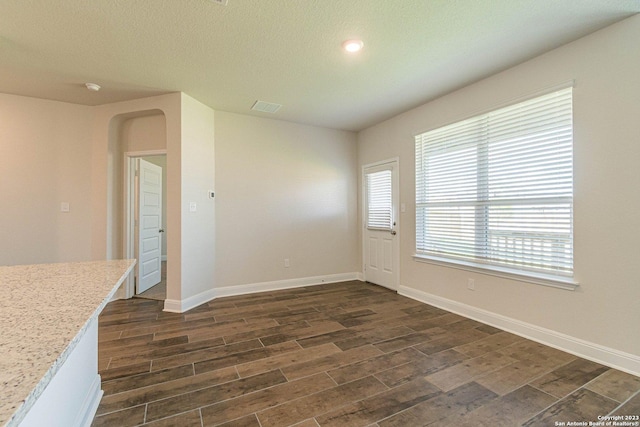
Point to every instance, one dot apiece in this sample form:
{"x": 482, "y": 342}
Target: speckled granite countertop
{"x": 44, "y": 311}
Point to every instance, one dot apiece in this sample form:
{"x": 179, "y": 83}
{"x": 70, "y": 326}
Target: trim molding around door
{"x": 395, "y": 161}
{"x": 128, "y": 228}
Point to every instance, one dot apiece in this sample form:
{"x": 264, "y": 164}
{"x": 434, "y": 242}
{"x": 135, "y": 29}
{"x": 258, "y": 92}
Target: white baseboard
{"x": 91, "y": 403}
{"x": 597, "y": 353}
{"x": 120, "y": 293}
{"x": 180, "y": 306}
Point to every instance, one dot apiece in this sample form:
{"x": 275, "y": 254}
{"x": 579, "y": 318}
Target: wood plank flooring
{"x": 345, "y": 354}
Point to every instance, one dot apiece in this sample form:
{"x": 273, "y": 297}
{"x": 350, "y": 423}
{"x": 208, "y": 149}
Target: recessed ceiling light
{"x": 353, "y": 45}
{"x": 92, "y": 87}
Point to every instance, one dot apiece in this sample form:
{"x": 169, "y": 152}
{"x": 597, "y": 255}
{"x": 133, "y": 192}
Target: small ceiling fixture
{"x": 353, "y": 45}
{"x": 92, "y": 87}
{"x": 266, "y": 107}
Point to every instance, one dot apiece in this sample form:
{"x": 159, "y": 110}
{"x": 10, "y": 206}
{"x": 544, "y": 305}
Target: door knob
{"x": 393, "y": 232}
{"x": 161, "y": 230}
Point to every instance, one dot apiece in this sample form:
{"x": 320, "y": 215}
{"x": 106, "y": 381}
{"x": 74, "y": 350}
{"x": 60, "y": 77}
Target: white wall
{"x": 45, "y": 159}
{"x": 604, "y": 310}
{"x": 283, "y": 190}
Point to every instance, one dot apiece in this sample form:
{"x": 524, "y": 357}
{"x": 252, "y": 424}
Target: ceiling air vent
{"x": 266, "y": 107}
{"x": 222, "y": 2}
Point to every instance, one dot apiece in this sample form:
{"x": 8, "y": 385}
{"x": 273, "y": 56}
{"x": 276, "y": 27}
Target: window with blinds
{"x": 497, "y": 189}
{"x": 379, "y": 200}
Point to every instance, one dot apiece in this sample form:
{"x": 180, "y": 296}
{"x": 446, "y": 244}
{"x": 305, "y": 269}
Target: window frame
{"x": 384, "y": 202}
{"x": 475, "y": 264}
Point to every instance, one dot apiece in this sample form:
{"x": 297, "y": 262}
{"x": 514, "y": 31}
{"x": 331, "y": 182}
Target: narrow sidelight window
{"x": 379, "y": 200}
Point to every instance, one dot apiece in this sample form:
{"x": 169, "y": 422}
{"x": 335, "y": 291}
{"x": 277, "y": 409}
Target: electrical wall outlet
{"x": 286, "y": 263}
{"x": 471, "y": 284}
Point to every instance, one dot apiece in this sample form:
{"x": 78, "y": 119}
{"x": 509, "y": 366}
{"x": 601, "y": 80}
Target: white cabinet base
{"x": 73, "y": 395}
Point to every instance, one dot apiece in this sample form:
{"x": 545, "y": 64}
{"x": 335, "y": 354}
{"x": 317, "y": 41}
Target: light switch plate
{"x": 64, "y": 207}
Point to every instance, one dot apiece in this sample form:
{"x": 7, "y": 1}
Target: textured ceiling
{"x": 282, "y": 51}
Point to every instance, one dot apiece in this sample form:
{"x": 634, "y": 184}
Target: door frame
{"x": 395, "y": 162}
{"x": 129, "y": 235}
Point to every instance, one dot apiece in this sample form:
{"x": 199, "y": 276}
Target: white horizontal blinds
{"x": 446, "y": 189}
{"x": 498, "y": 188}
{"x": 379, "y": 200}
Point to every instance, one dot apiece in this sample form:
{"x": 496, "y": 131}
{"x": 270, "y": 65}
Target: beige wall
{"x": 45, "y": 159}
{"x": 283, "y": 190}
{"x": 604, "y": 310}
{"x": 198, "y": 176}
{"x": 133, "y": 132}
{"x": 148, "y": 133}
{"x": 144, "y": 133}
{"x": 106, "y": 178}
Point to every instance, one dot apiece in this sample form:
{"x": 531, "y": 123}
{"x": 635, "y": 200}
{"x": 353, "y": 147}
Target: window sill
{"x": 536, "y": 278}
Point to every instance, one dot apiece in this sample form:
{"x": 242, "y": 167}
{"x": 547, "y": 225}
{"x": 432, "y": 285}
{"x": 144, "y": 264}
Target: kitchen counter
{"x": 45, "y": 310}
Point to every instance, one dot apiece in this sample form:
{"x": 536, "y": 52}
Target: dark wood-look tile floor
{"x": 345, "y": 354}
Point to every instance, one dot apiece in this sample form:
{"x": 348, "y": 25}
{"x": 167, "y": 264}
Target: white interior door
{"x": 149, "y": 225}
{"x": 381, "y": 241}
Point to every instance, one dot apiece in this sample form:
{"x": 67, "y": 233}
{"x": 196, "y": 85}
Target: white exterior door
{"x": 381, "y": 240}
{"x": 149, "y": 225}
